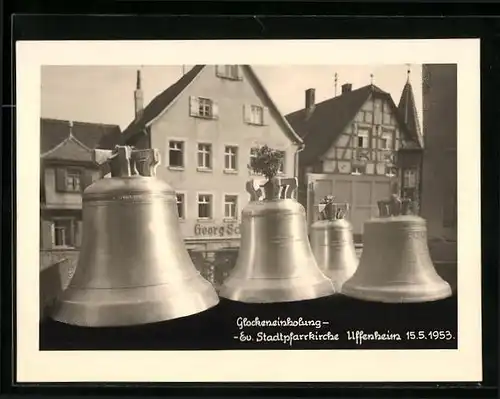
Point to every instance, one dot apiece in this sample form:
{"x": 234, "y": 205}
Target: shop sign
{"x": 217, "y": 230}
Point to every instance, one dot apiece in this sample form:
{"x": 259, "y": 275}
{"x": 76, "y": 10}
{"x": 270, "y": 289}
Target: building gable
{"x": 208, "y": 81}
{"x": 69, "y": 150}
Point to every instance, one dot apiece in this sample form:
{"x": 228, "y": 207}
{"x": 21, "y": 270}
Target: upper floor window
{"x": 368, "y": 118}
{"x": 205, "y": 206}
{"x": 228, "y": 72}
{"x": 204, "y": 156}
{"x": 386, "y": 141}
{"x": 282, "y": 163}
{"x": 390, "y": 171}
{"x": 253, "y": 156}
{"x": 69, "y": 180}
{"x": 357, "y": 170}
{"x": 202, "y": 107}
{"x": 181, "y": 205}
{"x": 410, "y": 178}
{"x": 255, "y": 114}
{"x": 230, "y": 206}
{"x": 362, "y": 139}
{"x": 176, "y": 154}
{"x": 63, "y": 233}
{"x": 230, "y": 158}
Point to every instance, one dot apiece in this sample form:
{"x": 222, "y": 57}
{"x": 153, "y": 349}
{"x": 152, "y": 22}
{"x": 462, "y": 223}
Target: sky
{"x": 104, "y": 94}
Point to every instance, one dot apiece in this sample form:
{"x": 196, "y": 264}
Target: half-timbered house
{"x": 354, "y": 145}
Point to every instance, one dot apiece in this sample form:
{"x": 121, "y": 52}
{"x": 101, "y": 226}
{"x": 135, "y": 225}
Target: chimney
{"x": 310, "y": 100}
{"x": 138, "y": 97}
{"x": 346, "y": 88}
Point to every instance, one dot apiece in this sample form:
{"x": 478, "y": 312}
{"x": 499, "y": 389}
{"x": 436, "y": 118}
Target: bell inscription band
{"x": 395, "y": 265}
{"x": 332, "y": 242}
{"x": 133, "y": 266}
{"x": 275, "y": 262}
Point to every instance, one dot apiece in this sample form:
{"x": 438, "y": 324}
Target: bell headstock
{"x": 126, "y": 161}
{"x": 395, "y": 206}
{"x": 145, "y": 162}
{"x": 331, "y": 210}
{"x": 279, "y": 188}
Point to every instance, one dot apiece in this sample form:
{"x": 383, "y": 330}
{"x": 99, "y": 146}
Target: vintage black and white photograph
{"x": 309, "y": 207}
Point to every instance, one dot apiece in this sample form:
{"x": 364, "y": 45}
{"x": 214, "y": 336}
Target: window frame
{"x": 260, "y": 119}
{"x": 208, "y": 103}
{"x": 252, "y": 155}
{"x": 283, "y": 163}
{"x": 228, "y": 155}
{"x": 224, "y": 203}
{"x": 183, "y": 142}
{"x": 184, "y": 204}
{"x": 406, "y": 179}
{"x": 362, "y": 170}
{"x": 365, "y": 134}
{"x": 211, "y": 205}
{"x": 210, "y": 154}
{"x": 72, "y": 232}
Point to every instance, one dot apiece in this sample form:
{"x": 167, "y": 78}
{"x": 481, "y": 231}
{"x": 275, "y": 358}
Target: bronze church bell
{"x": 275, "y": 262}
{"x": 332, "y": 242}
{"x": 395, "y": 265}
{"x": 133, "y": 266}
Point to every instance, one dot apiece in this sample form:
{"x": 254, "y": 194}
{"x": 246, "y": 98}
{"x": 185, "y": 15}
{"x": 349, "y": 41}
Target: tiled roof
{"x": 160, "y": 102}
{"x": 163, "y": 100}
{"x": 321, "y": 128}
{"x": 408, "y": 112}
{"x": 53, "y": 132}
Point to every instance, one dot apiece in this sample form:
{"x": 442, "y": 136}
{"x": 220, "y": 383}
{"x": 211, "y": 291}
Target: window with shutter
{"x": 203, "y": 108}
{"x": 63, "y": 233}
{"x": 231, "y": 72}
{"x": 194, "y": 106}
{"x": 254, "y": 114}
{"x": 61, "y": 179}
{"x": 46, "y": 234}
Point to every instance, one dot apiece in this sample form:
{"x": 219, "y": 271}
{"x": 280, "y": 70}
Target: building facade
{"x": 352, "y": 150}
{"x": 439, "y": 175}
{"x": 206, "y": 126}
{"x": 66, "y": 169}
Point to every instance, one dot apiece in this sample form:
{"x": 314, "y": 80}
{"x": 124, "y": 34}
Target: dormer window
{"x": 231, "y": 72}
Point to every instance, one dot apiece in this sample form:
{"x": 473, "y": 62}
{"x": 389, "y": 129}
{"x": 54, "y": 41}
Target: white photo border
{"x": 463, "y": 364}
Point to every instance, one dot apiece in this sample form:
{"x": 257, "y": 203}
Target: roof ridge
{"x": 78, "y": 122}
{"x": 341, "y": 96}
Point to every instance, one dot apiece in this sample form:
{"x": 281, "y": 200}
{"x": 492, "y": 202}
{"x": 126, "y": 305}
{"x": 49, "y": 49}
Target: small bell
{"x": 275, "y": 262}
{"x": 133, "y": 266}
{"x": 395, "y": 265}
{"x": 333, "y": 244}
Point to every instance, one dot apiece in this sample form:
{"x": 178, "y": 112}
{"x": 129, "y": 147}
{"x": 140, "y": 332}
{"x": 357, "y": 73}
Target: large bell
{"x": 275, "y": 262}
{"x": 332, "y": 243}
{"x": 133, "y": 266}
{"x": 395, "y": 265}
